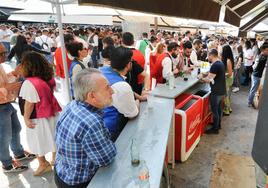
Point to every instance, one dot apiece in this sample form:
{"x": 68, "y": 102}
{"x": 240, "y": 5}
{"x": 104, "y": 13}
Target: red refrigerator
{"x": 188, "y": 122}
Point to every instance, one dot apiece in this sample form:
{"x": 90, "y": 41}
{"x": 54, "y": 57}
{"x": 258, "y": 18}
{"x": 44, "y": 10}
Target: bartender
{"x": 216, "y": 79}
{"x": 185, "y": 64}
{"x": 166, "y": 64}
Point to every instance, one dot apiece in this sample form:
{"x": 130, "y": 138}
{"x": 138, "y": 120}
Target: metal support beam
{"x": 63, "y": 51}
{"x": 241, "y": 4}
{"x": 254, "y": 21}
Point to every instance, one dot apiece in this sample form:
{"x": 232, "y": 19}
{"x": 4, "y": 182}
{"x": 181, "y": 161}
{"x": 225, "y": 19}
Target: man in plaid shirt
{"x": 83, "y": 142}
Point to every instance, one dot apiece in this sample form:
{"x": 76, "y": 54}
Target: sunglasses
{"x": 28, "y": 38}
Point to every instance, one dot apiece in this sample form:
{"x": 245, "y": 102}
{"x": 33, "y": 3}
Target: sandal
{"x": 15, "y": 167}
{"x": 43, "y": 169}
{"x": 25, "y": 156}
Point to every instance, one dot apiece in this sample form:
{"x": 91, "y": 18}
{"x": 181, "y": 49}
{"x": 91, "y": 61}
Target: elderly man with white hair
{"x": 83, "y": 142}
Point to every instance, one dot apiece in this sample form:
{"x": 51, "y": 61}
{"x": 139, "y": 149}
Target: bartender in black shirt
{"x": 216, "y": 78}
{"x": 257, "y": 73}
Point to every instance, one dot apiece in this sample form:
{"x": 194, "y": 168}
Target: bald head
{"x": 2, "y": 53}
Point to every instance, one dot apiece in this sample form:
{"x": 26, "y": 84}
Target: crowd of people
{"x": 110, "y": 74}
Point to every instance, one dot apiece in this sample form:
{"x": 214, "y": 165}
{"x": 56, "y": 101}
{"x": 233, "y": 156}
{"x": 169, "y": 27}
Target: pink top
{"x": 48, "y": 105}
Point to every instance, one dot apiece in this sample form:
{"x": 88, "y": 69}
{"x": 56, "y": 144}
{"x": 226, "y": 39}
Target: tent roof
{"x": 74, "y": 19}
{"x": 238, "y": 9}
{"x": 255, "y": 20}
{"x": 5, "y": 12}
{"x": 209, "y": 10}
{"x": 177, "y": 8}
{"x": 70, "y": 9}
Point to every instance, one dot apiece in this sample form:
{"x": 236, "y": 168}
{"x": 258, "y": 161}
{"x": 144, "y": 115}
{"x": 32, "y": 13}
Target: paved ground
{"x": 236, "y": 137}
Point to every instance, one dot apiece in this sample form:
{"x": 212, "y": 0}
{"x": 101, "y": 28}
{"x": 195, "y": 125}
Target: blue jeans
{"x": 9, "y": 134}
{"x": 255, "y": 83}
{"x": 216, "y": 108}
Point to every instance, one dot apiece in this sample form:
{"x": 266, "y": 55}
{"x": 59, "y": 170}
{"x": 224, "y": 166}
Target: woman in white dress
{"x": 39, "y": 108}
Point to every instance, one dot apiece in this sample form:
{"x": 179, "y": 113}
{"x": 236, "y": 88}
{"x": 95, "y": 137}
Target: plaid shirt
{"x": 83, "y": 143}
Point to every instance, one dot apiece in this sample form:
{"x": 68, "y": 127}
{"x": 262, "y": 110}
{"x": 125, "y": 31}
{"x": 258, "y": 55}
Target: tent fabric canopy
{"x": 208, "y": 10}
{"x": 203, "y": 9}
{"x": 257, "y": 19}
{"x": 237, "y": 9}
{"x": 73, "y": 19}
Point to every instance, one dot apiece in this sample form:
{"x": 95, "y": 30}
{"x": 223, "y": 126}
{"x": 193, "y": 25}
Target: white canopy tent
{"x": 260, "y": 27}
{"x": 71, "y": 13}
{"x": 74, "y": 19}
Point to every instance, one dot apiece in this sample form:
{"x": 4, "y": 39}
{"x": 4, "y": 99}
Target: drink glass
{"x": 150, "y": 101}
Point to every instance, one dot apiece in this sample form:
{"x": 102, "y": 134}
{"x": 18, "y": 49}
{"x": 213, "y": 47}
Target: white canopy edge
{"x": 74, "y": 19}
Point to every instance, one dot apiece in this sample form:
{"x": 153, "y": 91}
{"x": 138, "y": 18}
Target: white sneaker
{"x": 236, "y": 89}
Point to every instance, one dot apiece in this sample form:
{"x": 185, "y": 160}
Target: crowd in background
{"x": 123, "y": 74}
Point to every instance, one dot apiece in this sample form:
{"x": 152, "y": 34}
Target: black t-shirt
{"x": 219, "y": 87}
{"x": 132, "y": 77}
{"x": 260, "y": 67}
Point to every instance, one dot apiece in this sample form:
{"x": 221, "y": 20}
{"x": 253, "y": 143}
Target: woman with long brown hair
{"x": 39, "y": 107}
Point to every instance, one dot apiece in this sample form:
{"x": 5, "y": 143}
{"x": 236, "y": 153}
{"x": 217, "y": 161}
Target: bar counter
{"x": 151, "y": 129}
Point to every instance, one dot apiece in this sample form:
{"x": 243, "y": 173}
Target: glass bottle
{"x": 135, "y": 158}
{"x": 171, "y": 81}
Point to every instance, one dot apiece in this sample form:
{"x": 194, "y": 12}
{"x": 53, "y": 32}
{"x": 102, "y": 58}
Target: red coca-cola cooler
{"x": 206, "y": 112}
{"x": 188, "y": 121}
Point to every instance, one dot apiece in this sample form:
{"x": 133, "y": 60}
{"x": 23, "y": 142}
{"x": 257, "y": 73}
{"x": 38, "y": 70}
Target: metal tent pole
{"x": 63, "y": 52}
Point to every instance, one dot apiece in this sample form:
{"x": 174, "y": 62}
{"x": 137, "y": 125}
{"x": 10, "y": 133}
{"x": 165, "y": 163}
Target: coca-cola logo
{"x": 195, "y": 123}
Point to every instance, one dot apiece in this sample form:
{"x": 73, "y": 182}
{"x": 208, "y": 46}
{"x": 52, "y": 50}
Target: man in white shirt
{"x": 5, "y": 36}
{"x": 197, "y": 45}
{"x": 45, "y": 41}
{"x": 170, "y": 62}
{"x": 124, "y": 105}
{"x": 248, "y": 62}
